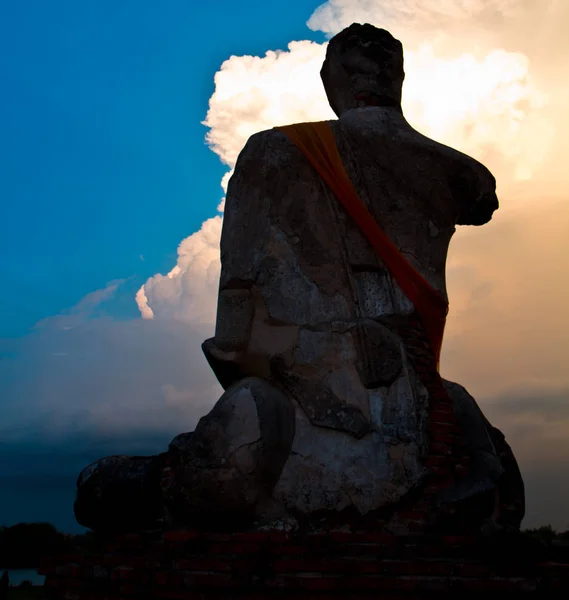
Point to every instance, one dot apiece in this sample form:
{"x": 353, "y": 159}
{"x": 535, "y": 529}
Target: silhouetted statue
{"x": 331, "y": 311}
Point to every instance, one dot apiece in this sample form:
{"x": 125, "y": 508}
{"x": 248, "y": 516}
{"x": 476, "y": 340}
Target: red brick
{"x": 112, "y": 547}
{"x": 203, "y": 564}
{"x": 53, "y": 582}
{"x": 253, "y": 536}
{"x": 208, "y": 580}
{"x": 458, "y": 540}
{"x": 141, "y": 577}
{"x": 300, "y": 565}
{"x": 176, "y": 579}
{"x": 555, "y": 569}
{"x": 69, "y": 570}
{"x": 443, "y": 428}
{"x": 71, "y": 583}
{"x": 287, "y": 549}
{"x": 181, "y": 536}
{"x": 93, "y": 561}
{"x": 412, "y": 515}
{"x": 433, "y": 551}
{"x": 48, "y": 561}
{"x": 127, "y": 561}
{"x": 129, "y": 537}
{"x": 397, "y": 583}
{"x": 112, "y": 560}
{"x": 139, "y": 562}
{"x": 318, "y": 583}
{"x": 122, "y": 573}
{"x": 441, "y": 472}
{"x": 362, "y": 583}
{"x": 557, "y": 584}
{"x": 70, "y": 558}
{"x": 437, "y": 486}
{"x": 384, "y": 539}
{"x": 280, "y": 536}
{"x": 436, "y": 448}
{"x": 358, "y": 537}
{"x": 219, "y": 537}
{"x": 326, "y": 566}
{"x": 130, "y": 589}
{"x": 180, "y": 595}
{"x": 235, "y": 548}
{"x": 343, "y": 536}
{"x": 241, "y": 568}
{"x": 417, "y": 568}
{"x": 442, "y": 437}
{"x": 443, "y": 405}
{"x": 316, "y": 538}
{"x": 471, "y": 570}
{"x": 496, "y": 584}
{"x": 438, "y": 461}
{"x": 161, "y": 577}
{"x": 360, "y": 550}
{"x": 439, "y": 421}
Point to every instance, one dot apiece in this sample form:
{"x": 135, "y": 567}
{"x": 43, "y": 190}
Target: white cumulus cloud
{"x": 188, "y": 292}
{"x": 486, "y": 106}
{"x": 407, "y": 15}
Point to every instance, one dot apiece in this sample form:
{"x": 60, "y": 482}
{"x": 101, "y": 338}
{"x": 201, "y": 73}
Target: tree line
{"x": 22, "y": 545}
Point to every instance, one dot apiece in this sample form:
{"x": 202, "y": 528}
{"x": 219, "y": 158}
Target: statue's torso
{"x": 312, "y": 298}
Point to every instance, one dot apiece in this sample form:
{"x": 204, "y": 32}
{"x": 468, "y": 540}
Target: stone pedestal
{"x": 194, "y": 565}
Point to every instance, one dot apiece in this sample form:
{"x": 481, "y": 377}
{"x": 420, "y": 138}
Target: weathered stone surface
{"x": 380, "y": 355}
{"x": 326, "y": 408}
{"x": 120, "y": 493}
{"x": 361, "y": 411}
{"x": 234, "y": 334}
{"x": 234, "y": 457}
{"x": 510, "y": 485}
{"x": 494, "y": 485}
{"x": 180, "y": 443}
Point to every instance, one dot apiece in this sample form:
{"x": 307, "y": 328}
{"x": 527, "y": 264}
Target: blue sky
{"x": 104, "y": 170}
{"x": 102, "y": 150}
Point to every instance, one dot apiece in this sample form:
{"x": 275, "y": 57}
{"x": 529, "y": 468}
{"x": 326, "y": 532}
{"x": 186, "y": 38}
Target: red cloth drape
{"x": 317, "y": 143}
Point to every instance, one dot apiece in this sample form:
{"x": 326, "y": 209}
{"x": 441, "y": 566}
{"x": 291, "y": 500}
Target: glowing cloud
{"x": 188, "y": 292}
{"x": 487, "y": 107}
{"x": 399, "y": 15}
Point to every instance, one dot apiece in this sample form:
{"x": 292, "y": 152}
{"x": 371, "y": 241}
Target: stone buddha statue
{"x": 326, "y": 413}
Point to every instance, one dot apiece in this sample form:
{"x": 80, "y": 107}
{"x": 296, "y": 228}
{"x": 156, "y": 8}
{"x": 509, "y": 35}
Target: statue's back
{"x": 333, "y": 401}
{"x": 310, "y": 293}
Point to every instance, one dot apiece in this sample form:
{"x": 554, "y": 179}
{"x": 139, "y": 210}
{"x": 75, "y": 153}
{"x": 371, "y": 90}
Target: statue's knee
{"x": 237, "y": 452}
{"x": 251, "y": 411}
{"x": 119, "y": 493}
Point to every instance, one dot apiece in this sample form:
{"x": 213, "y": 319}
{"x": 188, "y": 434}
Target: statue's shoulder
{"x": 272, "y": 146}
{"x": 458, "y": 164}
{"x": 454, "y": 159}
{"x": 269, "y": 139}
{"x": 472, "y": 184}
{"x": 267, "y": 157}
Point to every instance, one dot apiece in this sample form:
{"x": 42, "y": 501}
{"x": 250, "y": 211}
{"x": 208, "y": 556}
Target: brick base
{"x": 193, "y": 565}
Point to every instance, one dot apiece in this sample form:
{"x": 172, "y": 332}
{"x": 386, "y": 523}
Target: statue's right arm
{"x": 245, "y": 220}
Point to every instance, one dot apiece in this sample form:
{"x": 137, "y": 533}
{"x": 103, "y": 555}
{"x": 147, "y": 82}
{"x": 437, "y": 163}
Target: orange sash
{"x": 317, "y": 143}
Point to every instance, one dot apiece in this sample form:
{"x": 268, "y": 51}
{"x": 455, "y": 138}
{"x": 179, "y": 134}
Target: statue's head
{"x": 363, "y": 66}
